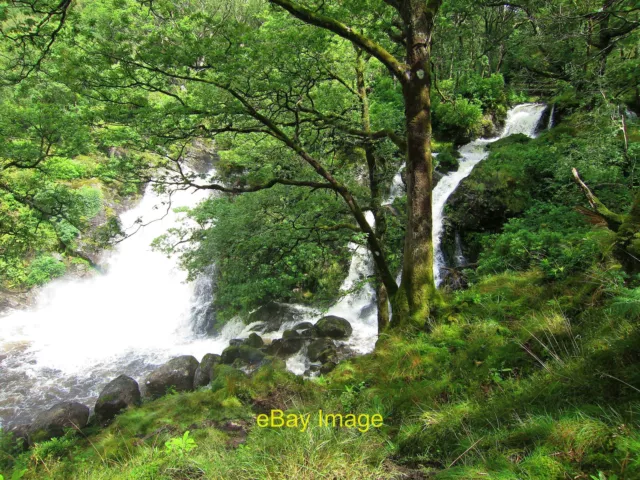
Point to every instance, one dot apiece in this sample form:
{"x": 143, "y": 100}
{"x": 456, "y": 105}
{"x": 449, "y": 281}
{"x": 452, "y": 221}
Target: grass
{"x": 519, "y": 380}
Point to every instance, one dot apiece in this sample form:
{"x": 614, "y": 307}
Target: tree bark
{"x": 417, "y": 296}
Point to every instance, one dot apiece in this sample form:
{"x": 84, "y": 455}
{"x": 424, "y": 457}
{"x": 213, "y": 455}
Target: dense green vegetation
{"x": 528, "y": 368}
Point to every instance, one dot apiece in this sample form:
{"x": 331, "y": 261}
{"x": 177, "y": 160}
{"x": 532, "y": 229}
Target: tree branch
{"x": 398, "y": 69}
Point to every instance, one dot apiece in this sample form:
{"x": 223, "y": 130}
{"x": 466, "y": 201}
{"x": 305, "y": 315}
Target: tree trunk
{"x": 414, "y": 302}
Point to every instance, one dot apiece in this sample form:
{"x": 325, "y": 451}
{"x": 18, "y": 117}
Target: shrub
{"x": 43, "y": 269}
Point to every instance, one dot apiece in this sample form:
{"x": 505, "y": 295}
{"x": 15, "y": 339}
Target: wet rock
{"x": 254, "y": 340}
{"x": 176, "y": 374}
{"x": 290, "y": 343}
{"x": 202, "y": 376}
{"x": 272, "y": 315}
{"x": 243, "y": 354}
{"x": 119, "y": 394}
{"x": 333, "y": 327}
{"x": 328, "y": 367}
{"x": 52, "y": 423}
{"x": 235, "y": 342}
{"x": 321, "y": 350}
{"x": 309, "y": 333}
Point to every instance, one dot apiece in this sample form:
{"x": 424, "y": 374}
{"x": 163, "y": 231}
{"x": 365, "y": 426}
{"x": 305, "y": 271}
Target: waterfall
{"x": 459, "y": 259}
{"x": 551, "y": 114}
{"x": 521, "y": 119}
{"x": 84, "y": 332}
{"x": 142, "y": 311}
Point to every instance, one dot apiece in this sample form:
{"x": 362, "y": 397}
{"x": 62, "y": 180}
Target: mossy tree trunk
{"x": 413, "y": 303}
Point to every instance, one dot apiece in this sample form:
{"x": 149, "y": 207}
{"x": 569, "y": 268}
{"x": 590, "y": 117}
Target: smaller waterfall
{"x": 521, "y": 119}
{"x": 459, "y": 258}
{"x": 553, "y": 111}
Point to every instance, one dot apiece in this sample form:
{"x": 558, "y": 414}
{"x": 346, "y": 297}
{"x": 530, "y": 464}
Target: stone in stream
{"x": 202, "y": 377}
{"x": 119, "y": 394}
{"x": 333, "y": 327}
{"x": 321, "y": 350}
{"x": 290, "y": 343}
{"x": 243, "y": 354}
{"x": 52, "y": 423}
{"x": 176, "y": 374}
{"x": 254, "y": 340}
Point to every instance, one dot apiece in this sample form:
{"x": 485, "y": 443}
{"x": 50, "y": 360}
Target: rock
{"x": 235, "y": 342}
{"x": 273, "y": 315}
{"x": 321, "y": 350}
{"x": 52, "y": 423}
{"x": 290, "y": 343}
{"x": 328, "y": 367}
{"x": 177, "y": 373}
{"x": 254, "y": 340}
{"x": 303, "y": 326}
{"x": 202, "y": 376}
{"x": 309, "y": 333}
{"x": 119, "y": 394}
{"x": 333, "y": 327}
{"x": 243, "y": 353}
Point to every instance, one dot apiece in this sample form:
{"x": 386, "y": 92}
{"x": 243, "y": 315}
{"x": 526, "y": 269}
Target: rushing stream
{"x": 142, "y": 312}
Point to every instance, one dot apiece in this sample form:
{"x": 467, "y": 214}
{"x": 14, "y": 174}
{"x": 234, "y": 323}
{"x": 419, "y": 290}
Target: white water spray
{"x": 84, "y": 332}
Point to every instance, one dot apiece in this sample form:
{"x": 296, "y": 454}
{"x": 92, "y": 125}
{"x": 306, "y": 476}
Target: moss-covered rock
{"x": 243, "y": 354}
{"x": 333, "y": 327}
{"x": 202, "y": 376}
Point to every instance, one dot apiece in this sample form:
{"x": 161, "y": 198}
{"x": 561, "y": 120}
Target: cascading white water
{"x": 521, "y": 119}
{"x": 84, "y": 332}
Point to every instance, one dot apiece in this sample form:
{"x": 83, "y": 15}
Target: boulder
{"x": 177, "y": 373}
{"x": 52, "y": 423}
{"x": 290, "y": 343}
{"x": 254, "y": 340}
{"x": 272, "y": 315}
{"x": 202, "y": 376}
{"x": 119, "y": 394}
{"x": 234, "y": 342}
{"x": 243, "y": 354}
{"x": 328, "y": 367}
{"x": 333, "y": 327}
{"x": 321, "y": 350}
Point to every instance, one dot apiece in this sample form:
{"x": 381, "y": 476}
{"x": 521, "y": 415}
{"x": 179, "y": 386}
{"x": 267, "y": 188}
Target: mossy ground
{"x": 519, "y": 379}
